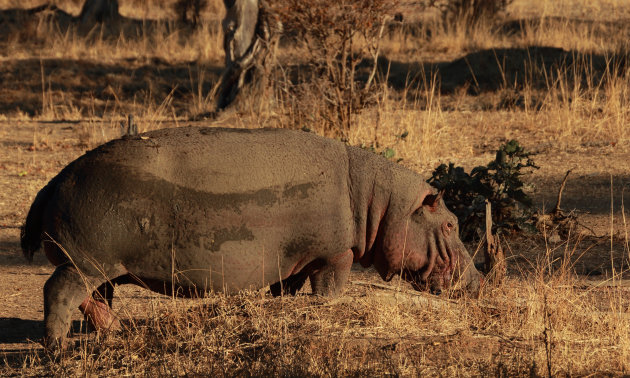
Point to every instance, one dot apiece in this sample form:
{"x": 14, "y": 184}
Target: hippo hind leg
{"x": 63, "y": 292}
{"x": 330, "y": 279}
{"x": 97, "y": 308}
{"x": 289, "y": 286}
{"x": 66, "y": 290}
{"x": 104, "y": 293}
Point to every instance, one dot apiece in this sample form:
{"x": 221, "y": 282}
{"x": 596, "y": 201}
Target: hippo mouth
{"x": 435, "y": 283}
{"x": 458, "y": 277}
{"x": 438, "y": 275}
{"x": 441, "y": 282}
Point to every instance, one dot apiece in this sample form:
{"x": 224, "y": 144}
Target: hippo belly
{"x": 232, "y": 244}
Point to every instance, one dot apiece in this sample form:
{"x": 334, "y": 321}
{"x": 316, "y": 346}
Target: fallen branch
{"x": 440, "y": 303}
{"x": 555, "y": 223}
{"x": 398, "y": 290}
{"x": 557, "y": 210}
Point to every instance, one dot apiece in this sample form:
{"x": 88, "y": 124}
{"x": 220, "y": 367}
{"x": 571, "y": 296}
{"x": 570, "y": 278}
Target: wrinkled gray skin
{"x": 198, "y": 209}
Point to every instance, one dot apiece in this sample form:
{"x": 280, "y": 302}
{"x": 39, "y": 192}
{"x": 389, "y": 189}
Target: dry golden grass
{"x": 545, "y": 319}
{"x": 532, "y": 325}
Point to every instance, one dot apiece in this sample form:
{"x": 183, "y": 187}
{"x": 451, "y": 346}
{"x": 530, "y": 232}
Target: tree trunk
{"x": 95, "y": 11}
{"x": 247, "y": 41}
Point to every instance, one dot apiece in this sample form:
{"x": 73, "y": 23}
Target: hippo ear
{"x": 432, "y": 201}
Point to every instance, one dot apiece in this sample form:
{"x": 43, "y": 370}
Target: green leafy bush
{"x": 499, "y": 182}
{"x": 387, "y": 152}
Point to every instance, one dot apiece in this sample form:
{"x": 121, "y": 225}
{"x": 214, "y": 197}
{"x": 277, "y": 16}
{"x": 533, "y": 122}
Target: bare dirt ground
{"x": 563, "y": 309}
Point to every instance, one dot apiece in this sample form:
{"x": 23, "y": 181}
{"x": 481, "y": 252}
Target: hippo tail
{"x": 31, "y": 231}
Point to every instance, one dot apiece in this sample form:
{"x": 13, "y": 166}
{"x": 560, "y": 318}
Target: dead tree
{"x": 249, "y": 35}
{"x": 495, "y": 266}
{"x": 95, "y": 11}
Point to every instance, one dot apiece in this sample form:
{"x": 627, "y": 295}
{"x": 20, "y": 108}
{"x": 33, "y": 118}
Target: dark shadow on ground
{"x": 589, "y": 193}
{"x": 490, "y": 70}
{"x": 11, "y": 255}
{"x": 88, "y": 87}
{"x": 93, "y": 88}
{"x": 12, "y": 244}
{"x": 29, "y": 334}
{"x": 582, "y": 257}
{"x": 495, "y": 78}
{"x": 15, "y": 330}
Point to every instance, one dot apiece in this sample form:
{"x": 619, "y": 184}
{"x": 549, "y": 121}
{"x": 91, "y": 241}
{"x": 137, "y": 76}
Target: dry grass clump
{"x": 148, "y": 30}
{"x": 161, "y": 40}
{"x": 540, "y": 324}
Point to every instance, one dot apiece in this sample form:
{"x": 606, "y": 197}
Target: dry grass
{"x": 543, "y": 321}
{"x": 537, "y": 324}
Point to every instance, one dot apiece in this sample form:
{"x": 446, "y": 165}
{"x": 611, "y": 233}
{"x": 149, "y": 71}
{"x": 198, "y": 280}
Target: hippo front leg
{"x": 289, "y": 286}
{"x": 63, "y": 292}
{"x": 330, "y": 279}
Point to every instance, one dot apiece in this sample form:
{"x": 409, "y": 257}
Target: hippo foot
{"x": 54, "y": 345}
{"x": 330, "y": 279}
{"x": 99, "y": 315}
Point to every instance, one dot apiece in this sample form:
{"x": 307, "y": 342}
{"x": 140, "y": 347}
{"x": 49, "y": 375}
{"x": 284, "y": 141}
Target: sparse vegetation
{"x": 335, "y": 38}
{"x": 551, "y": 74}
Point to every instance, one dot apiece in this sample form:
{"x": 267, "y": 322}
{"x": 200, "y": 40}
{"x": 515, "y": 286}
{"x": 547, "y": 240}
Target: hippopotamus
{"x": 194, "y": 210}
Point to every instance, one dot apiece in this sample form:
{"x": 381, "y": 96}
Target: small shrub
{"x": 337, "y": 37}
{"x": 499, "y": 182}
{"x": 388, "y": 152}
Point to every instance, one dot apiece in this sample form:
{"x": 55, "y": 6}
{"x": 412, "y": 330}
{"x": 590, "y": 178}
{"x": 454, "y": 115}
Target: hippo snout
{"x": 470, "y": 281}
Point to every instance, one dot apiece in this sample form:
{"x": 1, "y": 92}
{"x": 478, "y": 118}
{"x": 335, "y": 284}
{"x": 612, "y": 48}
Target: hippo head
{"x": 424, "y": 247}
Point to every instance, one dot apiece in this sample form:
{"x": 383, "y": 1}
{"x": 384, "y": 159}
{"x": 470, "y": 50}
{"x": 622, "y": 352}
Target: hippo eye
{"x": 450, "y": 225}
